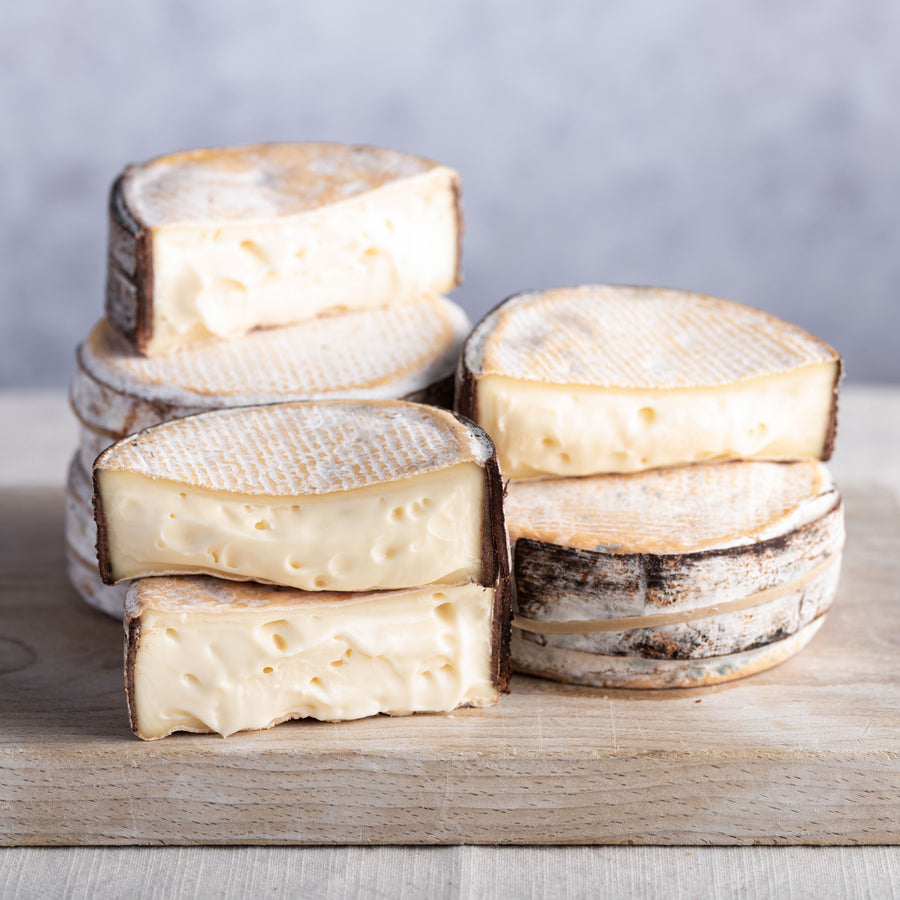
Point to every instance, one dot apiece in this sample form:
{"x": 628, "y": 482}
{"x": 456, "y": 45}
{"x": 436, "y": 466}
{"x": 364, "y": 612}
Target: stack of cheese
{"x": 362, "y": 539}
{"x": 671, "y": 519}
{"x": 373, "y": 531}
{"x": 345, "y": 249}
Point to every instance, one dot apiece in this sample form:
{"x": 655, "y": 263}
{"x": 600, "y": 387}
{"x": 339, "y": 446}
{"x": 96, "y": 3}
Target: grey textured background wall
{"x": 749, "y": 149}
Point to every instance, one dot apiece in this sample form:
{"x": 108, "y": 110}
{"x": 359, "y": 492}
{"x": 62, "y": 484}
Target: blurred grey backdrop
{"x": 748, "y": 149}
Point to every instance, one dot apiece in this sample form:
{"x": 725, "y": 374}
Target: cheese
{"x": 666, "y": 567}
{"x": 85, "y": 579}
{"x": 404, "y": 351}
{"x": 591, "y": 380}
{"x": 216, "y": 243}
{"x": 321, "y": 495}
{"x": 210, "y": 656}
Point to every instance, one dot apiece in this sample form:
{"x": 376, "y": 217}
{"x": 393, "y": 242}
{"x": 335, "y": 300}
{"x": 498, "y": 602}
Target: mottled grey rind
{"x": 556, "y": 583}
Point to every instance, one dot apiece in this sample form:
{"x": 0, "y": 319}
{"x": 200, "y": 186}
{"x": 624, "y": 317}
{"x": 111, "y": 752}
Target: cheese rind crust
{"x": 218, "y": 242}
{"x": 210, "y": 656}
{"x": 686, "y": 559}
{"x": 582, "y": 381}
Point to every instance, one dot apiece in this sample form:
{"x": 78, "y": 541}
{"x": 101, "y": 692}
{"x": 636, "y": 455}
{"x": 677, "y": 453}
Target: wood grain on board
{"x": 807, "y": 753}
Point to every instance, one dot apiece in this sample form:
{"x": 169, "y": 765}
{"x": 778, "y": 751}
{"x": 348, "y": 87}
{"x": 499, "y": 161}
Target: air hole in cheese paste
{"x": 444, "y": 613}
{"x": 268, "y": 670}
{"x": 295, "y": 564}
{"x": 255, "y": 251}
{"x": 647, "y": 415}
{"x": 397, "y": 513}
{"x": 316, "y": 683}
{"x": 171, "y": 634}
{"x": 549, "y": 441}
{"x": 261, "y": 525}
{"x": 320, "y": 581}
{"x": 564, "y": 458}
{"x": 188, "y": 678}
{"x": 279, "y": 641}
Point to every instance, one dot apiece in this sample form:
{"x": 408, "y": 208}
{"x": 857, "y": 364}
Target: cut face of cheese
{"x": 652, "y": 571}
{"x": 321, "y": 496}
{"x": 215, "y": 243}
{"x": 591, "y": 380}
{"x": 404, "y": 351}
{"x": 211, "y": 656}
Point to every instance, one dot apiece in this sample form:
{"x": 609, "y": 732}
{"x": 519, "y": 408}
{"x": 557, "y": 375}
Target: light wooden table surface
{"x": 39, "y": 438}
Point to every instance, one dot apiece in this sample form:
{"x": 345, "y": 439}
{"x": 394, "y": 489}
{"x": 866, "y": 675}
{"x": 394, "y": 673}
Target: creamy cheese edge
{"x": 422, "y": 650}
{"x": 399, "y": 534}
{"x": 390, "y": 245}
{"x": 570, "y": 430}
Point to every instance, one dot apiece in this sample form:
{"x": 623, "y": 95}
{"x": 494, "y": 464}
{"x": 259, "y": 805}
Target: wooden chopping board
{"x": 807, "y": 753}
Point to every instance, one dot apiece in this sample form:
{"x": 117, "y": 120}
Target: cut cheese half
{"x": 663, "y": 569}
{"x": 215, "y": 243}
{"x": 207, "y": 655}
{"x": 590, "y": 380}
{"x": 340, "y": 495}
{"x": 407, "y": 351}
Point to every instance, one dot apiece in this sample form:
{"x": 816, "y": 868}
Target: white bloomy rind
{"x": 209, "y": 656}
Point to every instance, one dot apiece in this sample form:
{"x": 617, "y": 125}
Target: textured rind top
{"x": 635, "y": 337}
{"x": 204, "y": 594}
{"x": 700, "y": 507}
{"x": 263, "y": 181}
{"x": 306, "y": 447}
{"x": 381, "y": 353}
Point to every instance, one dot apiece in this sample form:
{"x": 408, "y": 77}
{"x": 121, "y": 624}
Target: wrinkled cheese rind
{"x": 379, "y": 354}
{"x": 419, "y": 530}
{"x": 215, "y": 657}
{"x": 637, "y": 338}
{"x": 260, "y": 181}
{"x": 288, "y": 449}
{"x": 686, "y": 509}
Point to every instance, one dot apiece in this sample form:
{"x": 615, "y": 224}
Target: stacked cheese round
{"x": 671, "y": 520}
{"x": 262, "y": 274}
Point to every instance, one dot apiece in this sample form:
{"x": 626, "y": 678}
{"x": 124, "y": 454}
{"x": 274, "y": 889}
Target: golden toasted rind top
{"x": 262, "y": 181}
{"x": 700, "y": 507}
{"x": 312, "y": 447}
{"x": 635, "y": 337}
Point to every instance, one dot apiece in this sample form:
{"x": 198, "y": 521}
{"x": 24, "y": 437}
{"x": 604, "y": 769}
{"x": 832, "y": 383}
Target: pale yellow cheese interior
{"x": 390, "y": 245}
{"x": 544, "y": 429}
{"x": 422, "y": 529}
{"x": 427, "y": 649}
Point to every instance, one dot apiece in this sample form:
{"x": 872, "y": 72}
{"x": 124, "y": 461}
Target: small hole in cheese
{"x": 564, "y": 458}
{"x": 189, "y": 678}
{"x": 397, "y": 513}
{"x": 320, "y": 581}
{"x": 316, "y": 683}
{"x": 279, "y": 641}
{"x": 647, "y": 415}
{"x": 171, "y": 634}
{"x": 268, "y": 670}
{"x": 549, "y": 441}
{"x": 295, "y": 563}
{"x": 261, "y": 525}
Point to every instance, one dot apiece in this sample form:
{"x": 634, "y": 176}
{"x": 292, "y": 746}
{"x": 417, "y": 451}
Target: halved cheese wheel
{"x": 318, "y": 495}
{"x": 208, "y": 655}
{"x": 598, "y": 379}
{"x": 215, "y": 243}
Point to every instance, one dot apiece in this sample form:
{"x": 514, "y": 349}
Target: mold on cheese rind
{"x": 716, "y": 560}
{"x": 212, "y": 656}
{"x": 216, "y": 243}
{"x": 580, "y": 381}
